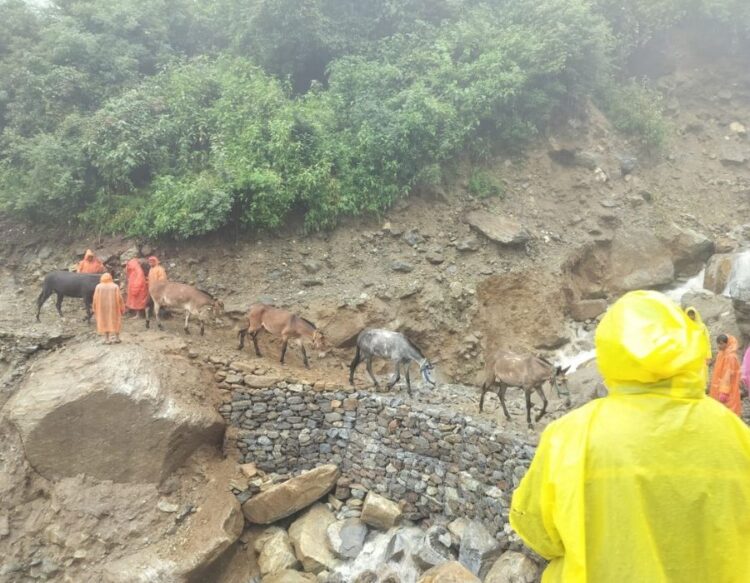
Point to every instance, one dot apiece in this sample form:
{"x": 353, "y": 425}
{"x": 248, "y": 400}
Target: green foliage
{"x": 177, "y": 118}
{"x": 636, "y": 110}
{"x": 484, "y": 185}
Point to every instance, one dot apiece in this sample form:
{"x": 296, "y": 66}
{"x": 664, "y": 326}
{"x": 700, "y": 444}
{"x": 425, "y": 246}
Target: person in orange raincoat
{"x": 157, "y": 272}
{"x": 725, "y": 381}
{"x": 108, "y": 309}
{"x": 137, "y": 297}
{"x": 90, "y": 263}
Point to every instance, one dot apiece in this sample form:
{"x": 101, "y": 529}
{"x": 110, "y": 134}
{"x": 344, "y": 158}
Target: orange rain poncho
{"x": 725, "y": 381}
{"x": 157, "y": 272}
{"x": 650, "y": 484}
{"x": 137, "y": 288}
{"x": 108, "y": 306}
{"x": 90, "y": 263}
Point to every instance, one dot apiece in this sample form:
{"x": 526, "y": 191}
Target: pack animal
{"x": 394, "y": 346}
{"x": 507, "y": 369}
{"x": 68, "y": 284}
{"x": 194, "y": 302}
{"x": 280, "y": 322}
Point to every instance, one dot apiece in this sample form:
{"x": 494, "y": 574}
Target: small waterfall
{"x": 738, "y": 284}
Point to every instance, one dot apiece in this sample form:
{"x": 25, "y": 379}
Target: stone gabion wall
{"x": 434, "y": 460}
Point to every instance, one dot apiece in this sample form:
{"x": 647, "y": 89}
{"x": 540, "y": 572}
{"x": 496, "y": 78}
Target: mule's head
{"x": 560, "y": 382}
{"x": 426, "y": 368}
{"x": 217, "y": 308}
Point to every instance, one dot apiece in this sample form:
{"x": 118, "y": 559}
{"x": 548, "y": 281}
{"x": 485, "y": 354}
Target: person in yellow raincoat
{"x": 650, "y": 484}
{"x": 693, "y": 314}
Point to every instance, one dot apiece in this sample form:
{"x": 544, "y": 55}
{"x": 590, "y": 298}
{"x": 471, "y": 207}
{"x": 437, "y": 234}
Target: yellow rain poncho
{"x": 652, "y": 483}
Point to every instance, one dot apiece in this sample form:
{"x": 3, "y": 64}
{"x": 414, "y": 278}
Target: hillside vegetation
{"x": 176, "y": 119}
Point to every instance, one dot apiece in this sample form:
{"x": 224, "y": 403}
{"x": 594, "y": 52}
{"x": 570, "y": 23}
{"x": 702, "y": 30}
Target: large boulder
{"x": 346, "y": 537}
{"x": 211, "y": 532}
{"x": 583, "y": 310}
{"x": 285, "y": 499}
{"x": 120, "y": 413}
{"x": 435, "y": 548}
{"x": 690, "y": 250}
{"x": 479, "y": 549}
{"x": 308, "y": 535}
{"x": 717, "y": 273}
{"x": 638, "y": 260}
{"x": 513, "y": 567}
{"x": 275, "y": 552}
{"x": 289, "y": 576}
{"x": 453, "y": 572}
{"x": 380, "y": 512}
{"x": 497, "y": 228}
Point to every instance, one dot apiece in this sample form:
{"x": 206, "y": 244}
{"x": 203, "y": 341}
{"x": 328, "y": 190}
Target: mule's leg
{"x": 304, "y": 354}
{"x": 46, "y": 293}
{"x": 203, "y": 327}
{"x": 149, "y": 308}
{"x": 283, "y": 348}
{"x": 485, "y": 388}
{"x": 396, "y": 375}
{"x": 527, "y": 393}
{"x": 408, "y": 380}
{"x": 58, "y": 303}
{"x": 187, "y": 319}
{"x": 353, "y": 366}
{"x": 157, "y": 307}
{"x": 540, "y": 391}
{"x": 369, "y": 371}
{"x": 254, "y": 336}
{"x": 241, "y": 334}
{"x": 87, "y": 301}
{"x": 501, "y": 394}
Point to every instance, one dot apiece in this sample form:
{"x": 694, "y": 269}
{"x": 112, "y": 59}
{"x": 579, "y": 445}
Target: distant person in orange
{"x": 137, "y": 297}
{"x": 108, "y": 309}
{"x": 90, "y": 263}
{"x": 725, "y": 381}
{"x": 156, "y": 272}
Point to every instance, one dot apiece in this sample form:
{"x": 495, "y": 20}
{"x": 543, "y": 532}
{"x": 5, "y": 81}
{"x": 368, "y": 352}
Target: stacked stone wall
{"x": 432, "y": 459}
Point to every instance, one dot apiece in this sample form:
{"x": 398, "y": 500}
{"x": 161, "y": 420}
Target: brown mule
{"x": 279, "y": 322}
{"x": 171, "y": 294}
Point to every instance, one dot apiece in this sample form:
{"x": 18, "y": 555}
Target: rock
{"x": 4, "y": 526}
{"x": 479, "y": 549}
{"x": 311, "y": 282}
{"x": 367, "y": 577}
{"x": 434, "y": 550}
{"x": 128, "y": 254}
{"x": 131, "y": 422}
{"x": 261, "y": 381}
{"x": 733, "y": 155}
{"x": 638, "y": 260}
{"x": 690, "y": 250}
{"x": 458, "y": 527}
{"x": 146, "y": 250}
{"x": 166, "y": 506}
{"x": 276, "y": 553}
{"x": 308, "y": 535}
{"x": 719, "y": 313}
{"x": 397, "y": 547}
{"x": 468, "y": 244}
{"x": 380, "y": 512}
{"x": 435, "y": 257}
{"x": 401, "y": 266}
{"x": 346, "y": 537}
{"x": 627, "y": 164}
{"x": 249, "y": 470}
{"x": 725, "y": 245}
{"x": 343, "y": 326}
{"x": 413, "y": 238}
{"x": 737, "y": 128}
{"x": 513, "y": 567}
{"x": 289, "y": 576}
{"x": 583, "y": 310}
{"x": 282, "y": 500}
{"x": 717, "y": 273}
{"x": 452, "y": 572}
{"x": 497, "y": 228}
{"x": 570, "y": 155}
{"x": 209, "y": 534}
{"x": 312, "y": 266}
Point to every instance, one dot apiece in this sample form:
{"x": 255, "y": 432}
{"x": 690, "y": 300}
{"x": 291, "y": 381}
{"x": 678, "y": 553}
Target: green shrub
{"x": 637, "y": 110}
{"x": 484, "y": 185}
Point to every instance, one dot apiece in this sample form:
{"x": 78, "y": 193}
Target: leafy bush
{"x": 636, "y": 110}
{"x": 484, "y": 185}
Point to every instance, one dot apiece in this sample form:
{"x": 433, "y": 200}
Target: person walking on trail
{"x": 156, "y": 271}
{"x": 725, "y": 381}
{"x": 745, "y": 373}
{"x": 137, "y": 289}
{"x": 651, "y": 483}
{"x": 90, "y": 263}
{"x": 108, "y": 309}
